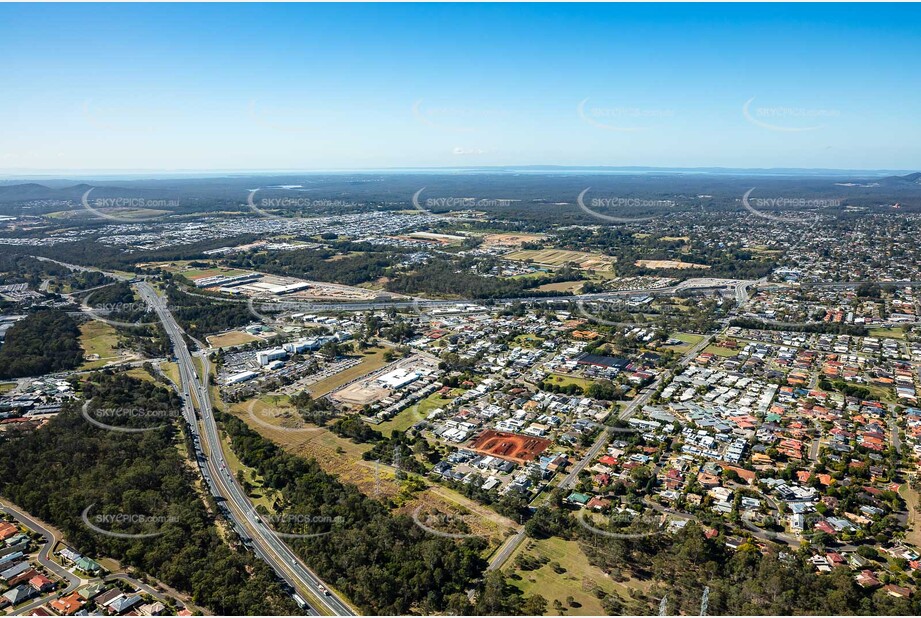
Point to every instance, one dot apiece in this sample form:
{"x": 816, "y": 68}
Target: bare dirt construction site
{"x": 511, "y": 446}
{"x": 560, "y": 257}
{"x": 654, "y": 264}
{"x": 510, "y": 240}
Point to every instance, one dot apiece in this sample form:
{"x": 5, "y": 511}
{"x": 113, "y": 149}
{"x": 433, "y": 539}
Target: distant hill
{"x": 914, "y": 179}
{"x": 28, "y": 191}
{"x": 36, "y": 191}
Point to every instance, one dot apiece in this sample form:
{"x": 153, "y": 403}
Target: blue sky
{"x": 270, "y": 87}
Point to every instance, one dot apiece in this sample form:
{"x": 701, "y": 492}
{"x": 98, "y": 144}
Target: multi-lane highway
{"x": 224, "y": 486}
{"x": 220, "y": 479}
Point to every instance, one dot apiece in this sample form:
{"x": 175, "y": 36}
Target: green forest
{"x": 200, "y": 316}
{"x": 752, "y": 580}
{"x": 384, "y": 563}
{"x": 42, "y": 342}
{"x": 60, "y": 470}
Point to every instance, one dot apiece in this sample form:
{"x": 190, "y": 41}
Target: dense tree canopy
{"x": 60, "y": 470}
{"x": 42, "y": 342}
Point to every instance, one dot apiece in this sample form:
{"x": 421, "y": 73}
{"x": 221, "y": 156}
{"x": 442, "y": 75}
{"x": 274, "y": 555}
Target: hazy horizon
{"x": 372, "y": 87}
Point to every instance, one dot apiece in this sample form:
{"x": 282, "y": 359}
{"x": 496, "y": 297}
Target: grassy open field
{"x": 453, "y": 507}
{"x": 199, "y": 369}
{"x": 126, "y": 213}
{"x": 891, "y": 333}
{"x": 510, "y": 240}
{"x": 561, "y": 286}
{"x": 913, "y": 535}
{"x": 343, "y": 458}
{"x": 98, "y": 338}
{"x": 172, "y": 371}
{"x": 260, "y": 495}
{"x": 413, "y": 414}
{"x": 689, "y": 339}
{"x": 765, "y": 251}
{"x": 140, "y": 374}
{"x": 6, "y": 387}
{"x": 578, "y": 578}
{"x": 281, "y": 424}
{"x": 559, "y": 257}
{"x": 564, "y": 380}
{"x": 232, "y": 338}
{"x": 528, "y": 341}
{"x": 372, "y": 361}
{"x": 720, "y": 351}
{"x": 182, "y": 267}
{"x": 881, "y": 393}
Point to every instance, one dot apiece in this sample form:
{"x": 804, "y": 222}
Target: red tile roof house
{"x": 68, "y": 605}
{"x": 867, "y": 579}
{"x": 7, "y": 530}
{"x": 598, "y": 504}
{"x": 746, "y": 475}
{"x": 21, "y": 578}
{"x": 825, "y": 527}
{"x": 41, "y": 583}
{"x": 898, "y": 591}
{"x": 708, "y": 481}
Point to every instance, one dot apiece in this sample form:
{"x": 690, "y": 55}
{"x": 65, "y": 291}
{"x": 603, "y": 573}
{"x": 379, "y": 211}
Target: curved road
{"x": 44, "y": 557}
